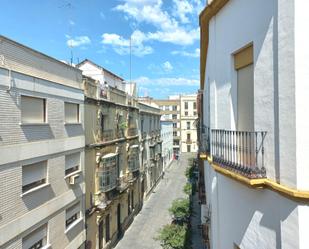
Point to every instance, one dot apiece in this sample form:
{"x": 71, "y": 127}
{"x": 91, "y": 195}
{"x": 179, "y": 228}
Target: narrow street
{"x": 155, "y": 210}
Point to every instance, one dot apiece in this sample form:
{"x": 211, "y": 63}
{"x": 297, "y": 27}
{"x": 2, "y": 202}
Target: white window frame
{"x": 36, "y": 237}
{"x": 72, "y": 165}
{"x": 71, "y": 120}
{"x": 32, "y": 120}
{"x": 38, "y": 182}
{"x": 73, "y": 215}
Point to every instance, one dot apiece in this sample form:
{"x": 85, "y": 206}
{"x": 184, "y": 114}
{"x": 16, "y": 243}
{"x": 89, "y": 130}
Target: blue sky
{"x": 164, "y": 37}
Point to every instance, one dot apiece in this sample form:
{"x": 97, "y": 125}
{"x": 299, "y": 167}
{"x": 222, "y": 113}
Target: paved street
{"x": 155, "y": 211}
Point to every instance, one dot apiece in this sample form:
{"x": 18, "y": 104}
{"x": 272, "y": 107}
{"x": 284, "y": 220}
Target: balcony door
{"x": 245, "y": 89}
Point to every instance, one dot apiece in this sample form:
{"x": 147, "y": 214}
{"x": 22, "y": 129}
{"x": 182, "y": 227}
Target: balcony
{"x": 133, "y": 165}
{"x": 108, "y": 135}
{"x": 106, "y": 173}
{"x": 239, "y": 151}
{"x": 204, "y": 139}
{"x": 144, "y": 135}
{"x": 132, "y": 132}
{"x": 189, "y": 141}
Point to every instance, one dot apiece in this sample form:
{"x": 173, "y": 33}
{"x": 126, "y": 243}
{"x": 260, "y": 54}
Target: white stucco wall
{"x": 167, "y": 144}
{"x": 261, "y": 218}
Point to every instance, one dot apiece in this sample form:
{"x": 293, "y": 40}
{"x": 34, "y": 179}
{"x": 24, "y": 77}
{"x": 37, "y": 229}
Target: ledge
{"x": 292, "y": 193}
{"x": 35, "y": 189}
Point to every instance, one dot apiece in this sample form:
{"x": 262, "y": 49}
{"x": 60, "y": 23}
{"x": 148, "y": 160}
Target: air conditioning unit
{"x": 73, "y": 179}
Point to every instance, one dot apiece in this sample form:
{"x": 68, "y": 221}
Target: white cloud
{"x": 167, "y": 27}
{"x": 71, "y": 22}
{"x": 102, "y": 15}
{"x": 167, "y": 66}
{"x": 122, "y": 45}
{"x": 145, "y": 81}
{"x": 194, "y": 54}
{"x": 78, "y": 41}
{"x": 182, "y": 8}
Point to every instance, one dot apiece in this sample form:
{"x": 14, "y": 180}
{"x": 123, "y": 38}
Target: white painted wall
{"x": 261, "y": 218}
{"x": 167, "y": 144}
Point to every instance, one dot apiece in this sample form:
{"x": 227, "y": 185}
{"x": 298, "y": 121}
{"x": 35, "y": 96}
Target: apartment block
{"x": 170, "y": 110}
{"x": 188, "y": 119}
{"x": 41, "y": 150}
{"x": 253, "y": 132}
{"x": 167, "y": 143}
{"x": 150, "y": 146}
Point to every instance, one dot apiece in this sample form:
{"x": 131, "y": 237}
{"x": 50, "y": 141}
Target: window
{"x": 142, "y": 125}
{"x": 167, "y": 108}
{"x": 34, "y": 175}
{"x": 174, "y": 107}
{"x": 194, "y": 105}
{"x": 188, "y": 136}
{"x": 186, "y": 105}
{"x": 188, "y": 125}
{"x": 189, "y": 148}
{"x": 72, "y": 214}
{"x": 72, "y": 163}
{"x": 33, "y": 110}
{"x": 174, "y": 116}
{"x": 174, "y": 133}
{"x": 101, "y": 234}
{"x": 71, "y": 112}
{"x": 194, "y": 113}
{"x": 36, "y": 239}
{"x": 174, "y": 125}
{"x": 186, "y": 113}
{"x": 107, "y": 228}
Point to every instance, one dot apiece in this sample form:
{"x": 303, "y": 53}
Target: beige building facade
{"x": 150, "y": 147}
{"x": 188, "y": 118}
{"x": 41, "y": 150}
{"x": 122, "y": 155}
{"x": 170, "y": 111}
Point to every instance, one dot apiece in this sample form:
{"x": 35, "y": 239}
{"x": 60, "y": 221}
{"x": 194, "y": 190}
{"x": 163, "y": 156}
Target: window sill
{"x": 35, "y": 189}
{"x": 76, "y": 123}
{"x": 78, "y": 172}
{"x": 33, "y": 124}
{"x": 75, "y": 223}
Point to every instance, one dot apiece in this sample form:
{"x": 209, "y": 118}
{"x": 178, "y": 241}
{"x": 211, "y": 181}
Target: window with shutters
{"x": 71, "y": 113}
{"x": 72, "y": 214}
{"x": 33, "y": 110}
{"x": 34, "y": 175}
{"x": 72, "y": 163}
{"x": 186, "y": 105}
{"x": 36, "y": 239}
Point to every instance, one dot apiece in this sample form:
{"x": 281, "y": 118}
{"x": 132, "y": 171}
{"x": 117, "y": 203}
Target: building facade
{"x": 253, "y": 137}
{"x": 41, "y": 150}
{"x": 170, "y": 111}
{"x": 167, "y": 143}
{"x": 188, "y": 118}
{"x": 112, "y": 157}
{"x": 150, "y": 147}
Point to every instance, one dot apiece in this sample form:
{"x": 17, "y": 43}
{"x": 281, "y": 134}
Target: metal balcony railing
{"x": 144, "y": 135}
{"x": 204, "y": 139}
{"x": 108, "y": 135}
{"x": 241, "y": 151}
{"x": 132, "y": 132}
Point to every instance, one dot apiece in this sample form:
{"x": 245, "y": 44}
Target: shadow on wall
{"x": 74, "y": 130}
{"x": 37, "y": 132}
{"x": 38, "y": 198}
{"x": 252, "y": 216}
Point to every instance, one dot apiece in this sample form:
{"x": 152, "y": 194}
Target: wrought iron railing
{"x": 108, "y": 135}
{"x": 241, "y": 151}
{"x": 132, "y": 132}
{"x": 204, "y": 139}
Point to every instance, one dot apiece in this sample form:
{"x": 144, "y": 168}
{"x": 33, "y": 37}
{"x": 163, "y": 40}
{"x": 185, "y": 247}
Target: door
{"x": 101, "y": 235}
{"x": 245, "y": 99}
{"x": 119, "y": 220}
